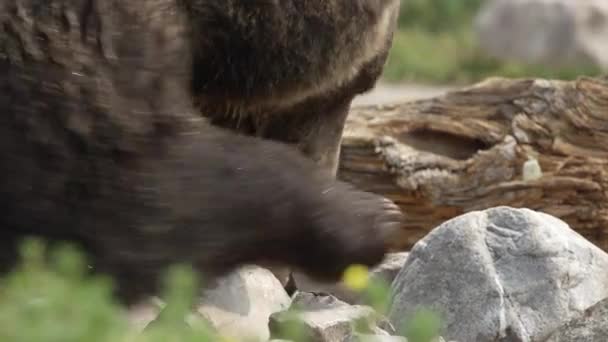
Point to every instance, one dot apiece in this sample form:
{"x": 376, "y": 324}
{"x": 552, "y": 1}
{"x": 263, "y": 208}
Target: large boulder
{"x": 590, "y": 326}
{"x": 501, "y": 274}
{"x": 556, "y": 32}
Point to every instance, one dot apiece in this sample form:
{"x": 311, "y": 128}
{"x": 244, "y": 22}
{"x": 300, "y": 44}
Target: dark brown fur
{"x": 100, "y": 142}
{"x": 303, "y": 67}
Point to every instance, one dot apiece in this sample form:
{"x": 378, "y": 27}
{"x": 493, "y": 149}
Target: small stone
{"x": 239, "y": 305}
{"x": 327, "y": 319}
{"x": 377, "y": 338}
{"x": 531, "y": 170}
{"x": 385, "y": 272}
{"x": 144, "y": 313}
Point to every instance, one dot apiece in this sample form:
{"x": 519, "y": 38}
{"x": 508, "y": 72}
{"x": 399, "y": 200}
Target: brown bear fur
{"x": 102, "y": 145}
{"x": 302, "y": 68}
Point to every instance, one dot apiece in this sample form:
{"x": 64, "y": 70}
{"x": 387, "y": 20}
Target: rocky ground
{"x": 501, "y": 274}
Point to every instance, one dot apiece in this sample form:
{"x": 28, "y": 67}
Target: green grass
{"x": 435, "y": 43}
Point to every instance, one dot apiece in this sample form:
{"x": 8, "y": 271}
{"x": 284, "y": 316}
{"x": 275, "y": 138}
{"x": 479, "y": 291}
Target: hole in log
{"x": 443, "y": 143}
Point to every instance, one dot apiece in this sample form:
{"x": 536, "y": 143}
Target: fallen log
{"x": 529, "y": 143}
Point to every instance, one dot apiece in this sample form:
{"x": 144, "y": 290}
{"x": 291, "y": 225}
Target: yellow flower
{"x": 356, "y": 277}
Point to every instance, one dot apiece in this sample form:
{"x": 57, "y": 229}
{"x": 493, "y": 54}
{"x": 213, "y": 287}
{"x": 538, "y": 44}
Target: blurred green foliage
{"x": 437, "y": 15}
{"x": 55, "y": 300}
{"x": 436, "y": 44}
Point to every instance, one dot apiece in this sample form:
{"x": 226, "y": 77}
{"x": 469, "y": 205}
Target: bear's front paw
{"x": 353, "y": 227}
{"x": 388, "y": 219}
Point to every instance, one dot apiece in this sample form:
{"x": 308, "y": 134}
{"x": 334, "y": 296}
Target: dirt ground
{"x": 388, "y": 93}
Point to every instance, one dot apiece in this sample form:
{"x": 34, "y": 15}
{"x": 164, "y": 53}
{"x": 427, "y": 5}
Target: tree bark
{"x": 470, "y": 149}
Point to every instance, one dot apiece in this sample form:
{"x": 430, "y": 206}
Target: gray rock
{"x": 240, "y": 304}
{"x": 377, "y": 338}
{"x": 591, "y": 326}
{"x": 140, "y": 315}
{"x": 282, "y": 273}
{"x": 557, "y": 32}
{"x": 386, "y": 271}
{"x": 309, "y": 301}
{"x": 328, "y": 319}
{"x": 390, "y": 267}
{"x": 501, "y": 274}
{"x": 386, "y": 338}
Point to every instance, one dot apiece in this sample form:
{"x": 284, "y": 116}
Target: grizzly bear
{"x": 302, "y": 64}
{"x": 111, "y": 136}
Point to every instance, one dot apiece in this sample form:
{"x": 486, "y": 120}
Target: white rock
{"x": 377, "y": 338}
{"x": 327, "y": 319}
{"x": 557, "y": 32}
{"x": 501, "y": 273}
{"x": 240, "y": 304}
{"x": 143, "y": 313}
{"x": 591, "y": 326}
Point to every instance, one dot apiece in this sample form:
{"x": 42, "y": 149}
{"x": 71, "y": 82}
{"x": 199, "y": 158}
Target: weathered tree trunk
{"x": 467, "y": 150}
